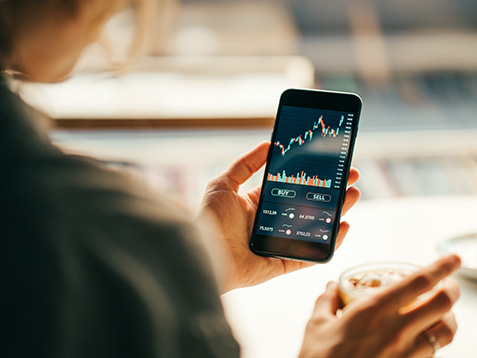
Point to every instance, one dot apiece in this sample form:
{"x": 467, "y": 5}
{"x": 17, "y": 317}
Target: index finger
{"x": 353, "y": 176}
{"x": 421, "y": 281}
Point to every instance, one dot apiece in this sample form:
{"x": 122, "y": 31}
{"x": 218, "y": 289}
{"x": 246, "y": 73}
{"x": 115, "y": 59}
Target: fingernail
{"x": 456, "y": 260}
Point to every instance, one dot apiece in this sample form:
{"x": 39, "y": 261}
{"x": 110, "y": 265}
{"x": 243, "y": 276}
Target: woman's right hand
{"x": 386, "y": 325}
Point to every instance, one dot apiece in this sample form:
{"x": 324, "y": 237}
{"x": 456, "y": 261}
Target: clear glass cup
{"x": 363, "y": 280}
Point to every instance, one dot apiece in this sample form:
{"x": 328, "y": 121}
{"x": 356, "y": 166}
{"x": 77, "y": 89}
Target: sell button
{"x": 284, "y": 193}
{"x": 324, "y": 198}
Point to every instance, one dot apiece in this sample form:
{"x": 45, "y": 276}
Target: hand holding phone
{"x": 233, "y": 213}
{"x": 306, "y": 175}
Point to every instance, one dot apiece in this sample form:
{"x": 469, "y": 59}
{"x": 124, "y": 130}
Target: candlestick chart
{"x": 308, "y": 146}
{"x": 325, "y": 131}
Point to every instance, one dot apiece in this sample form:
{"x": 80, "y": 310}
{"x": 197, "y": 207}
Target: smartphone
{"x": 306, "y": 175}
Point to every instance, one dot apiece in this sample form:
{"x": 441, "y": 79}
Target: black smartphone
{"x": 306, "y": 175}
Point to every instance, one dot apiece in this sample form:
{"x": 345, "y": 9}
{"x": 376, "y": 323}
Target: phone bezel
{"x": 293, "y": 249}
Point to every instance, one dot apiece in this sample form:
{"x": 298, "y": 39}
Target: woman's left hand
{"x": 235, "y": 215}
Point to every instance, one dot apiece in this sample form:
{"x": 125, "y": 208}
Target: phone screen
{"x": 305, "y": 179}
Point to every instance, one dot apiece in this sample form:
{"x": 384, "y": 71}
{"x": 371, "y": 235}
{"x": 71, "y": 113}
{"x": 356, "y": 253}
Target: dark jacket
{"x": 92, "y": 263}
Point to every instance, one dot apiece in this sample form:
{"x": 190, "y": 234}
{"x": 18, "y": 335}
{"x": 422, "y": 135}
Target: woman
{"x": 94, "y": 265}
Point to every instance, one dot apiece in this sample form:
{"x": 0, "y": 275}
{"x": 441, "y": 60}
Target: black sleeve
{"x": 94, "y": 265}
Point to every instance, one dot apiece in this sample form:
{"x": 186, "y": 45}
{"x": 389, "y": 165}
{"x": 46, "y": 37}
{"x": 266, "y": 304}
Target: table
{"x": 269, "y": 320}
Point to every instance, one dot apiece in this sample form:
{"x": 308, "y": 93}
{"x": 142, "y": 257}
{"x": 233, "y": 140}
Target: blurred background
{"x": 208, "y": 88}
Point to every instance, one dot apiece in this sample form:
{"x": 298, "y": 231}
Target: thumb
{"x": 254, "y": 194}
{"x": 329, "y": 302}
{"x": 246, "y": 165}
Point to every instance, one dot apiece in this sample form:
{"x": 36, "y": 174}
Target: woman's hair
{"x": 18, "y": 15}
{"x": 24, "y": 15}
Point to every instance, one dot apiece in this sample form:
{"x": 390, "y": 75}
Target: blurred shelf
{"x": 413, "y": 102}
{"x": 416, "y": 144}
{"x": 174, "y": 92}
{"x": 418, "y": 52}
{"x": 162, "y": 123}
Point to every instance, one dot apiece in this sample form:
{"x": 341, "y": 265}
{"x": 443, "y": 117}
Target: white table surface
{"x": 269, "y": 320}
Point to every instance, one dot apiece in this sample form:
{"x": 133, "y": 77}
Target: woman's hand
{"x": 389, "y": 324}
{"x": 235, "y": 215}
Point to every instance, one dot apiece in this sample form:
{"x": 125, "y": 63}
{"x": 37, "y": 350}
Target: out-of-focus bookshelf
{"x": 212, "y": 92}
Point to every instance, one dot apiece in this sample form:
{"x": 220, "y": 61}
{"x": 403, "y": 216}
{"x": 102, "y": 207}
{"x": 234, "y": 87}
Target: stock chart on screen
{"x": 305, "y": 173}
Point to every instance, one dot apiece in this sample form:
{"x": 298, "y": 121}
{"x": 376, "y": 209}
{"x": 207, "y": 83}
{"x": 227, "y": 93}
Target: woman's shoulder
{"x": 21, "y": 126}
